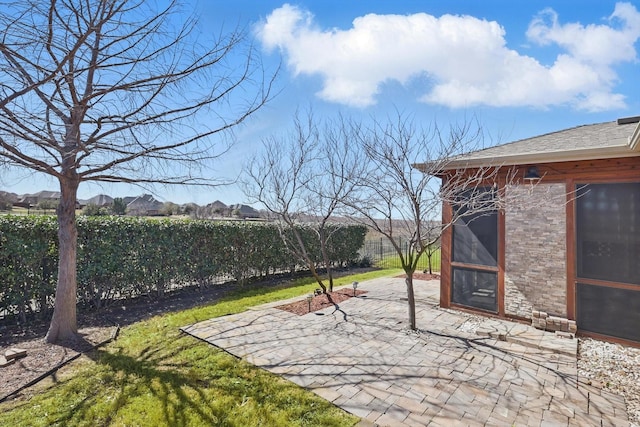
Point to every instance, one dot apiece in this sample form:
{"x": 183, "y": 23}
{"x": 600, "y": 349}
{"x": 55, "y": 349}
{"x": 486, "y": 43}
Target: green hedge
{"x": 125, "y": 257}
{"x": 28, "y": 266}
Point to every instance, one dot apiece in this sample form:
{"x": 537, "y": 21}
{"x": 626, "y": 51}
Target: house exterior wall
{"x": 537, "y": 247}
{"x": 535, "y": 250}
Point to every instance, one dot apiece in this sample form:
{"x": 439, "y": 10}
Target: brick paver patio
{"x": 361, "y": 357}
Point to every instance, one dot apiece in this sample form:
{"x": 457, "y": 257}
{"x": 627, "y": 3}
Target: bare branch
{"x": 117, "y": 91}
{"x": 110, "y": 69}
{"x": 302, "y": 179}
{"x": 396, "y": 199}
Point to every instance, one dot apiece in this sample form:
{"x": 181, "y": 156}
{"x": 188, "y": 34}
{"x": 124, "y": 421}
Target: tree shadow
{"x": 177, "y": 390}
{"x": 438, "y": 360}
{"x": 337, "y": 308}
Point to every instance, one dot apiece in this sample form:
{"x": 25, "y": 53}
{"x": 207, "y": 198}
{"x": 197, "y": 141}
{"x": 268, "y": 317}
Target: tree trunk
{"x": 316, "y": 276}
{"x": 305, "y": 256}
{"x": 325, "y": 258}
{"x": 63, "y": 324}
{"x": 411, "y": 301}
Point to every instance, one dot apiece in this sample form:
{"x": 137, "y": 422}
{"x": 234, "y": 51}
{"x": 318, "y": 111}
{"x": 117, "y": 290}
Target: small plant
{"x": 94, "y": 210}
{"x": 363, "y": 261}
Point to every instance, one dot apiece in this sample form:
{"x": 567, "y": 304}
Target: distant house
{"x": 244, "y": 211}
{"x": 144, "y": 205}
{"x": 101, "y": 200}
{"x": 30, "y": 200}
{"x": 218, "y": 205}
{"x": 128, "y": 199}
{"x": 9, "y": 197}
{"x": 218, "y": 208}
{"x": 187, "y": 208}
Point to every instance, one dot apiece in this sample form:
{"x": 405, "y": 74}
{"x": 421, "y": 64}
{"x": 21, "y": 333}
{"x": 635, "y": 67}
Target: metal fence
{"x": 382, "y": 254}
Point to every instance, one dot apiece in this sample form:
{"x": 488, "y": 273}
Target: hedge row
{"x": 125, "y": 257}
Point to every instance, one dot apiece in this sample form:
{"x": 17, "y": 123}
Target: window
{"x": 475, "y": 288}
{"x": 475, "y": 239}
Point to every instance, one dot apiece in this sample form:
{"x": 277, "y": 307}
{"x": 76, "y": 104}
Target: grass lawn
{"x": 393, "y": 261}
{"x": 17, "y": 210}
{"x": 154, "y": 376}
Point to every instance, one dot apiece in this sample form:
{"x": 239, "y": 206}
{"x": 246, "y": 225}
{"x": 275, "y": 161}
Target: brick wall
{"x": 535, "y": 250}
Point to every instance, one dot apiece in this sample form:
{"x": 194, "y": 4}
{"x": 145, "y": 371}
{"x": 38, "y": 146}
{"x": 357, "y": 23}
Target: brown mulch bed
{"x": 421, "y": 276}
{"x": 42, "y": 357}
{"x": 95, "y": 327}
{"x": 333, "y": 298}
{"x": 318, "y": 302}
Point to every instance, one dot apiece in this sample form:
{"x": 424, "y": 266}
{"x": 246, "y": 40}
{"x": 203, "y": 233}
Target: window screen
{"x": 475, "y": 288}
{"x": 608, "y": 232}
{"x": 609, "y": 311}
{"x": 475, "y": 231}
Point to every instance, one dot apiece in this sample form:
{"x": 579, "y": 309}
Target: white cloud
{"x": 596, "y": 44}
{"x": 466, "y": 59}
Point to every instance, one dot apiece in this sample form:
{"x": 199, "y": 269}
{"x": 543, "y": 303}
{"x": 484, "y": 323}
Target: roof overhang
{"x": 629, "y": 149}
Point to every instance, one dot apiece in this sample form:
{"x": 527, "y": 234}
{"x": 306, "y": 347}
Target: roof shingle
{"x": 595, "y": 141}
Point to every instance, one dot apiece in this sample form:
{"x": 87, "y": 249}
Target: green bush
{"x": 28, "y": 269}
{"x": 126, "y": 257}
{"x": 95, "y": 210}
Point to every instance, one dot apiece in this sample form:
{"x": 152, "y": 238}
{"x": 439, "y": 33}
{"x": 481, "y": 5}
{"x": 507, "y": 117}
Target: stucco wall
{"x": 535, "y": 250}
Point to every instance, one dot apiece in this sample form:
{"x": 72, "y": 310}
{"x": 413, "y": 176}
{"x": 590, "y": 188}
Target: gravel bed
{"x": 613, "y": 367}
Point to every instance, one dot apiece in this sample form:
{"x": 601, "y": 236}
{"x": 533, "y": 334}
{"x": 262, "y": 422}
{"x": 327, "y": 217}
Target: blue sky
{"x": 523, "y": 68}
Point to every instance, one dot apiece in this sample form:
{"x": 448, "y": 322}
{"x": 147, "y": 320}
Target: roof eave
{"x": 627, "y": 147}
{"x": 631, "y": 150}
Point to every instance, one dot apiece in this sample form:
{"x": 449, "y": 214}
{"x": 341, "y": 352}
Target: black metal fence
{"x": 382, "y": 254}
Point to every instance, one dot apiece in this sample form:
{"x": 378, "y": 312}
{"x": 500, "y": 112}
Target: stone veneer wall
{"x": 535, "y": 250}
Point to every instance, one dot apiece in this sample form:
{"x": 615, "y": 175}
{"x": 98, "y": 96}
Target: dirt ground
{"x": 98, "y": 326}
{"x": 95, "y": 327}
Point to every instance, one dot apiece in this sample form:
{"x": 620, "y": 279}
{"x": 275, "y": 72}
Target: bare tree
{"x": 115, "y": 91}
{"x": 399, "y": 201}
{"x": 430, "y": 250}
{"x": 302, "y": 180}
{"x": 338, "y": 169}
